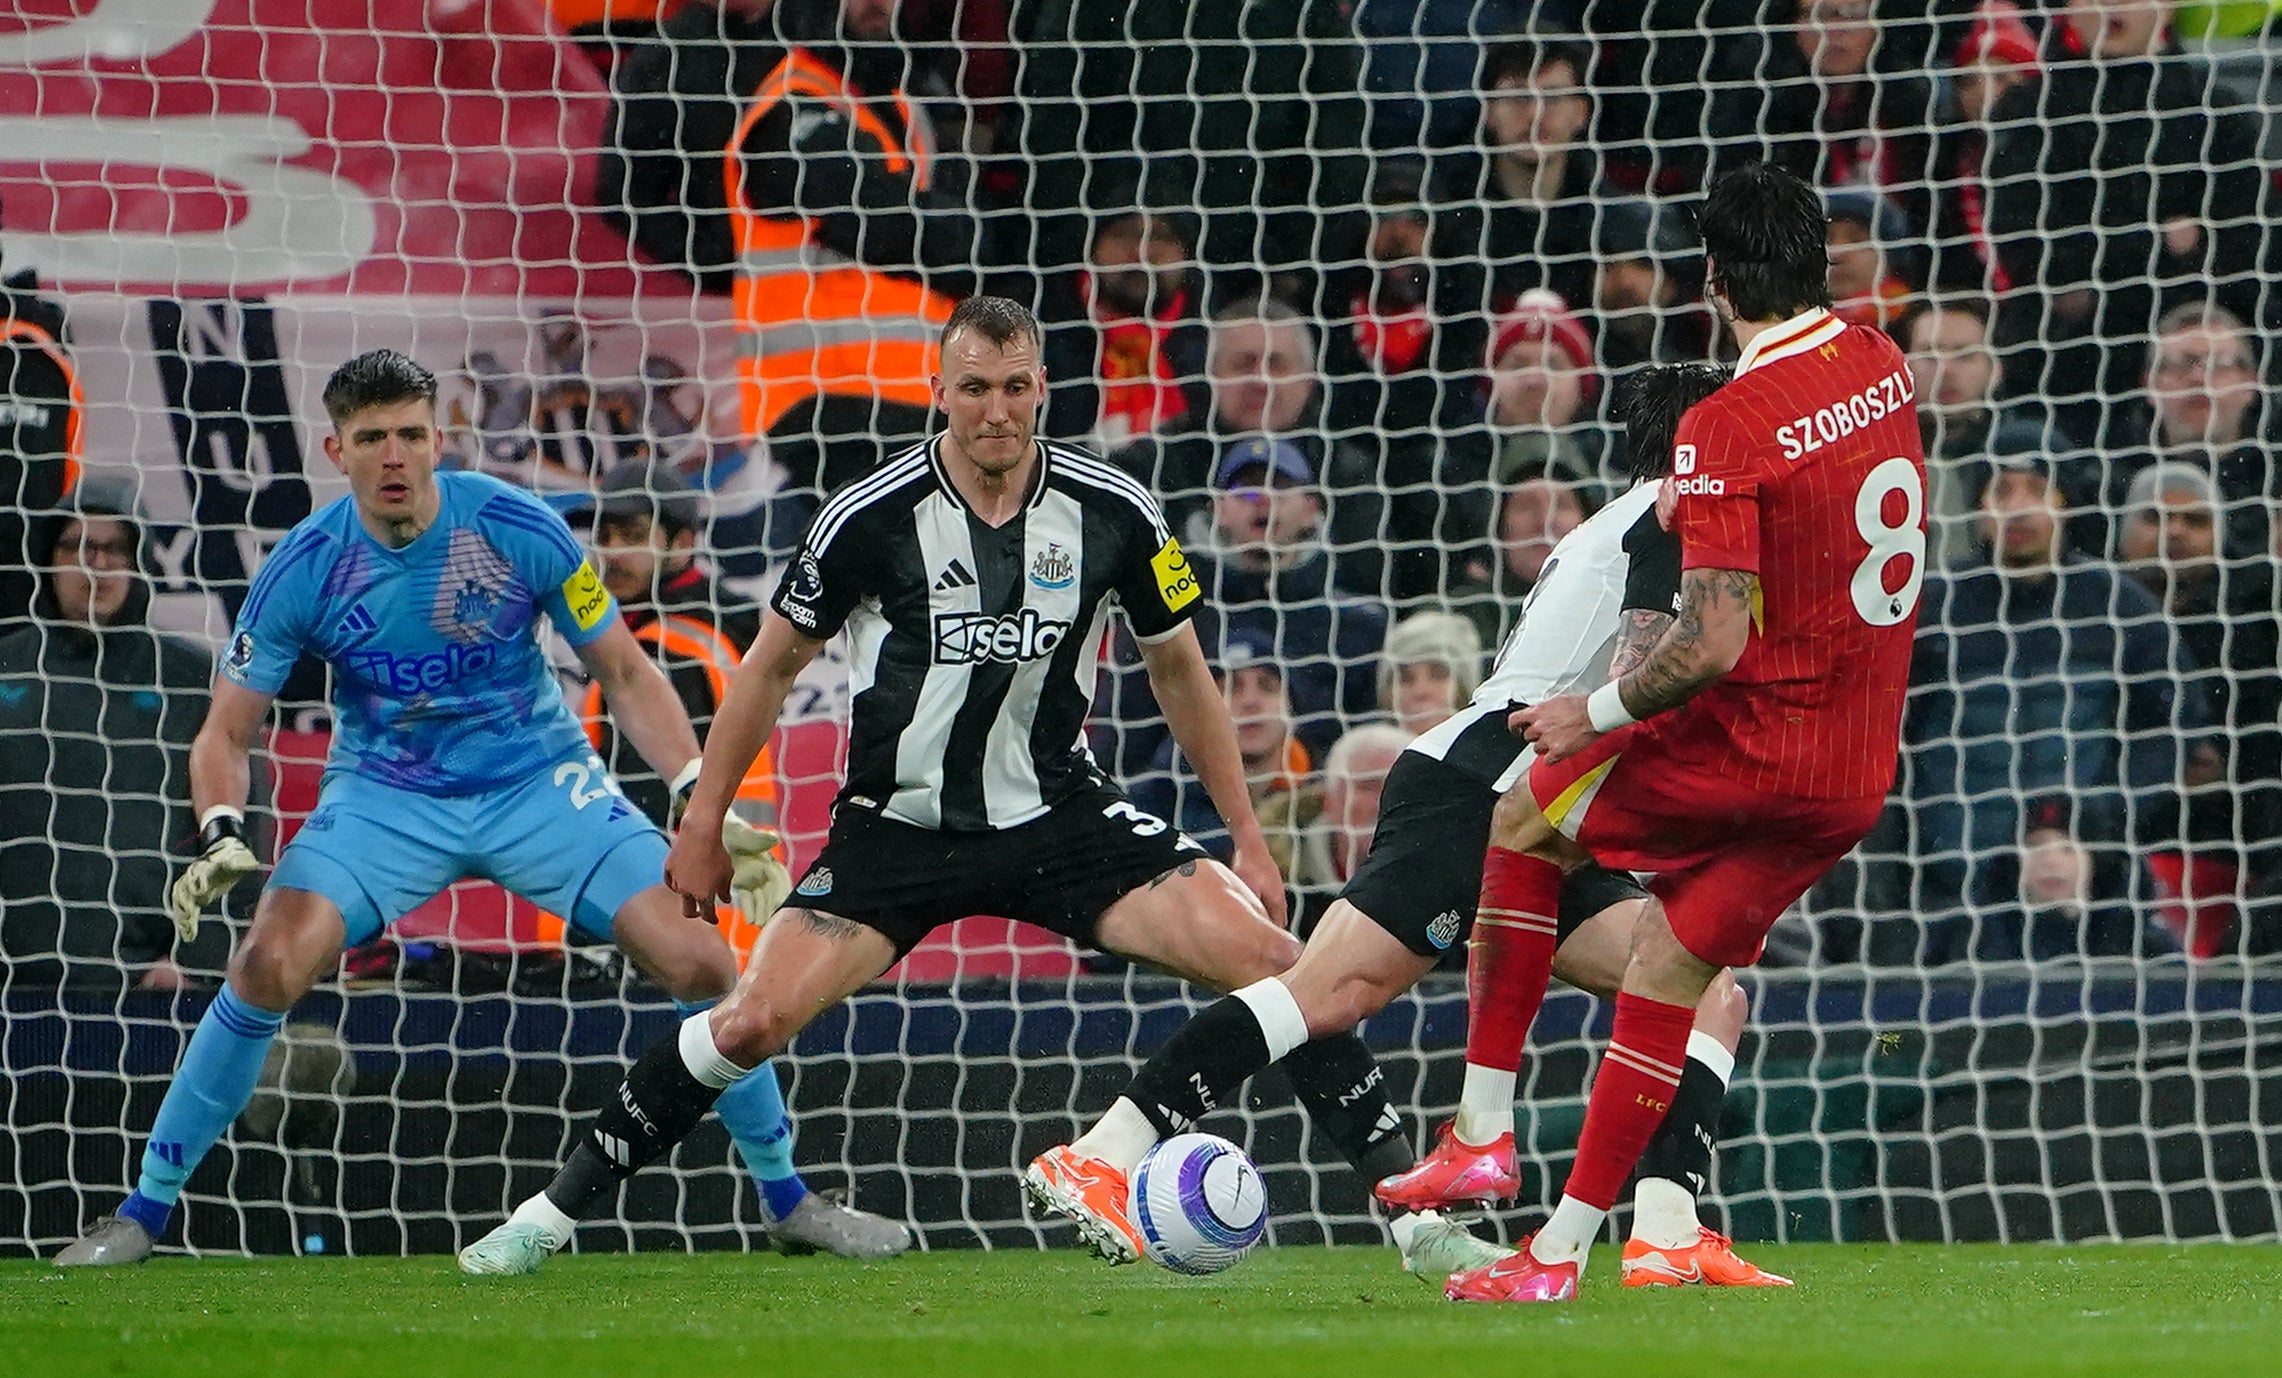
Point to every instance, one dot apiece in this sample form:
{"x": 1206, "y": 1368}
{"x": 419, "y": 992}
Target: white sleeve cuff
{"x": 1605, "y": 706}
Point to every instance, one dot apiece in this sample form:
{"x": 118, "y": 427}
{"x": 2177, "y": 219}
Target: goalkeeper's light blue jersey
{"x": 440, "y": 685}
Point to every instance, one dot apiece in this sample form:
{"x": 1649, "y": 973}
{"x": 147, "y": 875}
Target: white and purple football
{"x": 1199, "y": 1203}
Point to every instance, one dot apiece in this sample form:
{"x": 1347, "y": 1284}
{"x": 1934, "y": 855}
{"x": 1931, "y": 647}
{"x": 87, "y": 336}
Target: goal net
{"x": 1348, "y": 286}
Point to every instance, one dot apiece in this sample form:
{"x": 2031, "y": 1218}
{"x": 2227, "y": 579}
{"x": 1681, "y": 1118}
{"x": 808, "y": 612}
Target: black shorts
{"x": 1061, "y": 871}
{"x": 1423, "y": 877}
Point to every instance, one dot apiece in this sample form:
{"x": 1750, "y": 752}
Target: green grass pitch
{"x": 1860, "y": 1309}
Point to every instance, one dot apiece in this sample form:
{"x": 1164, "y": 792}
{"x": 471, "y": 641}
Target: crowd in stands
{"x": 1347, "y": 286}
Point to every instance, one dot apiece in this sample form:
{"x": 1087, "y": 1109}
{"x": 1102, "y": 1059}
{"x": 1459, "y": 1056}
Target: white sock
{"x": 1569, "y": 1235}
{"x": 547, "y": 1216}
{"x": 704, "y": 1061}
{"x": 1282, "y": 1026}
{"x": 1118, "y": 1138}
{"x": 1664, "y": 1215}
{"x": 1485, "y": 1105}
{"x": 1405, "y": 1227}
{"x": 1711, "y": 1053}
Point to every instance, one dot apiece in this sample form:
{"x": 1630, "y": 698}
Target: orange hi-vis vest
{"x": 693, "y": 639}
{"x": 74, "y": 443}
{"x": 811, "y": 321}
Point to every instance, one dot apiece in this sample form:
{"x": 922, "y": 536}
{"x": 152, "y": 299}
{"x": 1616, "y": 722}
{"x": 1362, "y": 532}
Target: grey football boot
{"x": 823, "y": 1221}
{"x": 112, "y": 1240}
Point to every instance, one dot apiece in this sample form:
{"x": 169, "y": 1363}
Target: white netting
{"x": 2030, "y": 1006}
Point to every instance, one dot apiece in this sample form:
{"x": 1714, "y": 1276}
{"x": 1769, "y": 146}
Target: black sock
{"x": 1213, "y": 1055}
{"x": 1681, "y": 1150}
{"x": 1345, "y": 1093}
{"x": 653, "y": 1109}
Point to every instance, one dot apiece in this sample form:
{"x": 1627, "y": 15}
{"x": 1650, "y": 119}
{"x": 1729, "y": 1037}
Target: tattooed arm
{"x": 1704, "y": 644}
{"x": 1637, "y": 633}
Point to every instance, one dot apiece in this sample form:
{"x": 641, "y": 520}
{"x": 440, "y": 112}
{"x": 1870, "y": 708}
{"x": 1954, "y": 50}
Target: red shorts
{"x": 1728, "y": 860}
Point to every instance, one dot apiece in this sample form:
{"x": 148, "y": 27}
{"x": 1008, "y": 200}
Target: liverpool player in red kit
{"x": 1754, "y": 746}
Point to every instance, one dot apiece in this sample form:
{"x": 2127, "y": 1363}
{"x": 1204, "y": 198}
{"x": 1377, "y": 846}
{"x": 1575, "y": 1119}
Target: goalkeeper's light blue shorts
{"x": 565, "y": 839}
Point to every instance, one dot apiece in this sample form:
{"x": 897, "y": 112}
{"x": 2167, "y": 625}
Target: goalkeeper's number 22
{"x": 582, "y": 781}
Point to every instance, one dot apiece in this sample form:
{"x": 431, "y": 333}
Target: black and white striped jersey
{"x": 1619, "y": 559}
{"x": 972, "y": 649}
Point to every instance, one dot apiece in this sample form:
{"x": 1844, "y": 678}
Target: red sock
{"x": 1631, "y": 1095}
{"x": 1511, "y": 957}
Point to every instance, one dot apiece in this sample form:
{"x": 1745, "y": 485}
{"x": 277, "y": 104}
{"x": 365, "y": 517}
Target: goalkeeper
{"x": 454, "y": 755}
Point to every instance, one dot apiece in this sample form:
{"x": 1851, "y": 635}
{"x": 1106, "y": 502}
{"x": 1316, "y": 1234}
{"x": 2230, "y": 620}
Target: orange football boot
{"x": 1709, "y": 1262}
{"x": 1092, "y": 1194}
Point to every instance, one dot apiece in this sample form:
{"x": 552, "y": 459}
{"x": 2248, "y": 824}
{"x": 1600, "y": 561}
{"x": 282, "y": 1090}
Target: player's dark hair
{"x": 1765, "y": 233}
{"x": 1649, "y": 402}
{"x": 1000, "y": 320}
{"x": 376, "y": 378}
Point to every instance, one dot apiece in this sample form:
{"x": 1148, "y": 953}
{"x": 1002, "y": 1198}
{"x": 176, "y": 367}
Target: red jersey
{"x": 1807, "y": 470}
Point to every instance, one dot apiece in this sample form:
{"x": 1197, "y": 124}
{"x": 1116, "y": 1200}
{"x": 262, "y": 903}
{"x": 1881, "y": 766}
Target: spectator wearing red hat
{"x": 1540, "y": 366}
{"x": 1536, "y": 383}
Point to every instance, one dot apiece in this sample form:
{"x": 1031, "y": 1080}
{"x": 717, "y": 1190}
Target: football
{"x": 1199, "y": 1203}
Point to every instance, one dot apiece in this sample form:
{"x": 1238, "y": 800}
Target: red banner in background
{"x": 195, "y": 147}
{"x": 233, "y": 196}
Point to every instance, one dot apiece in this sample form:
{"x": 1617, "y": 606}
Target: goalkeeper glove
{"x": 223, "y": 861}
{"x": 759, "y": 883}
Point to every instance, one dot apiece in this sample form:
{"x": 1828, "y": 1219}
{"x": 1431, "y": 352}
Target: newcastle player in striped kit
{"x": 975, "y": 575}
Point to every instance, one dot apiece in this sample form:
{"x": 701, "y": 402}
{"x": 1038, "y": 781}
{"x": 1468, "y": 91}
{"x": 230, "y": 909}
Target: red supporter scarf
{"x": 1136, "y": 375}
{"x": 1972, "y": 203}
{"x": 1393, "y": 344}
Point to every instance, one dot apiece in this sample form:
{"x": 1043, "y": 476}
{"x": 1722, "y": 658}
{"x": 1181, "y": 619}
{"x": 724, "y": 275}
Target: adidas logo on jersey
{"x": 355, "y": 623}
{"x": 973, "y": 638}
{"x": 955, "y": 577}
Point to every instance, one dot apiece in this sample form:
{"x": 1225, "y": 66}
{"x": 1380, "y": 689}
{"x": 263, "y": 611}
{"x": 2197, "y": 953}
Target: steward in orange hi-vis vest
{"x": 813, "y": 320}
{"x": 778, "y": 162}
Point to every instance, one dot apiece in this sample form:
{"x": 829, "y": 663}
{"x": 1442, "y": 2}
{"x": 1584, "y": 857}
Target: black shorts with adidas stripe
{"x": 1061, "y": 871}
{"x": 1423, "y": 876}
